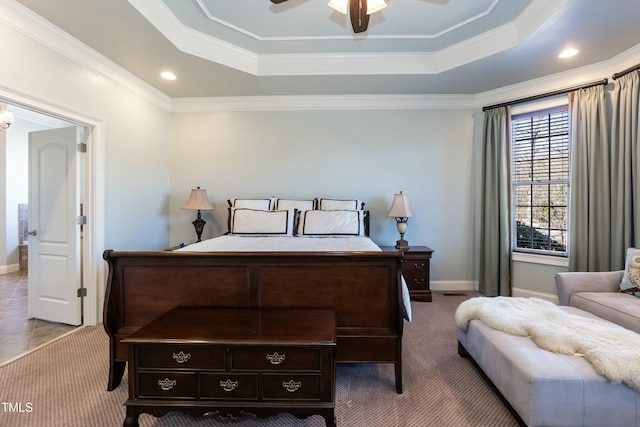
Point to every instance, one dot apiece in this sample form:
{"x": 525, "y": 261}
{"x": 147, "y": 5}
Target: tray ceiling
{"x": 303, "y": 47}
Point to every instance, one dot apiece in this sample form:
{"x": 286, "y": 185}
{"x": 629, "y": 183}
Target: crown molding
{"x": 205, "y": 10}
{"x": 23, "y": 20}
{"x": 26, "y": 22}
{"x": 323, "y": 102}
{"x": 213, "y": 49}
{"x": 195, "y": 42}
{"x": 498, "y": 39}
{"x": 410, "y": 102}
{"x": 577, "y": 76}
{"x": 348, "y": 64}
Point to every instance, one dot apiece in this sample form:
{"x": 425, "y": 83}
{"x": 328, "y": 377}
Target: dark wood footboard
{"x": 364, "y": 288}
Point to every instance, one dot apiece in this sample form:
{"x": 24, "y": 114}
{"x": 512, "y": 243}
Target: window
{"x": 540, "y": 181}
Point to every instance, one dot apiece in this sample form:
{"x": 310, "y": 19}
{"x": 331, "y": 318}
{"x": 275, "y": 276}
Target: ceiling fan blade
{"x": 358, "y": 14}
{"x": 278, "y": 1}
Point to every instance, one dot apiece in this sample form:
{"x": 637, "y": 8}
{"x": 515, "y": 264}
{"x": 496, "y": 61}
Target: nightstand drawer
{"x": 292, "y": 387}
{"x": 415, "y": 267}
{"x": 275, "y": 359}
{"x": 415, "y": 279}
{"x": 229, "y": 386}
{"x": 167, "y": 384}
{"x": 415, "y": 270}
{"x": 181, "y": 356}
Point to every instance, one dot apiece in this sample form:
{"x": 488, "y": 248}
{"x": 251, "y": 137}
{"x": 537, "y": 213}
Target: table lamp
{"x": 198, "y": 201}
{"x": 401, "y": 211}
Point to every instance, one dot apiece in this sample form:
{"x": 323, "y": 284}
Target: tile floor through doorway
{"x": 18, "y": 332}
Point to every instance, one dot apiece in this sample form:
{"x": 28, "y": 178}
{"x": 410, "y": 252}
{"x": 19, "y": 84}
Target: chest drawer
{"x": 276, "y": 359}
{"x": 167, "y": 385}
{"x": 229, "y": 386}
{"x": 292, "y": 386}
{"x": 415, "y": 271}
{"x": 181, "y": 356}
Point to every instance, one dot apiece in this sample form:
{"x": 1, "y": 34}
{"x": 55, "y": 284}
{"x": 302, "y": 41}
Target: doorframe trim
{"x": 93, "y": 195}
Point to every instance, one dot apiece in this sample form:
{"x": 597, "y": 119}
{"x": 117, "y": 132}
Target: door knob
{"x": 32, "y": 232}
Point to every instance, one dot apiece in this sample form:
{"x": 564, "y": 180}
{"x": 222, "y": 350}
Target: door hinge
{"x": 81, "y": 220}
{"x": 82, "y": 147}
{"x": 82, "y": 292}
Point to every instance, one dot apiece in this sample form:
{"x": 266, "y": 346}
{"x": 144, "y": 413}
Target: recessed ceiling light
{"x": 168, "y": 75}
{"x": 568, "y": 53}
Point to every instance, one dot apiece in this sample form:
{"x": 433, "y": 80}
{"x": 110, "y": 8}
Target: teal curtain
{"x": 625, "y": 152}
{"x": 495, "y": 237}
{"x": 590, "y": 195}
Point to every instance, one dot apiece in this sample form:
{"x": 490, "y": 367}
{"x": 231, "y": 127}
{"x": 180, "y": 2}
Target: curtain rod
{"x": 548, "y": 94}
{"x": 627, "y": 71}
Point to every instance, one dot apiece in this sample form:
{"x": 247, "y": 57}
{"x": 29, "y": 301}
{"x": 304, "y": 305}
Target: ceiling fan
{"x": 359, "y": 11}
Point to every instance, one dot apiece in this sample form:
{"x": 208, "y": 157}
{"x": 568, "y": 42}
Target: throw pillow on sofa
{"x": 631, "y": 278}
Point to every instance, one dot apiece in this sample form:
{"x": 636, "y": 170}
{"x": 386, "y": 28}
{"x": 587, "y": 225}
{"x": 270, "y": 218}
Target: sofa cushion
{"x": 620, "y": 308}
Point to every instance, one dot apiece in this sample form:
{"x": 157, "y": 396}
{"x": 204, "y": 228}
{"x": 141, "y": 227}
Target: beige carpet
{"x": 64, "y": 384}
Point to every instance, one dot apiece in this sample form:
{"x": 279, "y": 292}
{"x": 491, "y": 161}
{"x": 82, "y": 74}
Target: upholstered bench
{"x": 544, "y": 388}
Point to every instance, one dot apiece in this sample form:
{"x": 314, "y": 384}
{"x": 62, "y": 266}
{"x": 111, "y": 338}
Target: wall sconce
{"x": 6, "y": 118}
{"x": 198, "y": 201}
{"x": 401, "y": 211}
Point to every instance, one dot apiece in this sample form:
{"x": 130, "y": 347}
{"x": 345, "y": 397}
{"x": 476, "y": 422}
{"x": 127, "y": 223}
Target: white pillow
{"x": 254, "y": 222}
{"x": 337, "y": 223}
{"x": 631, "y": 278}
{"x": 259, "y": 204}
{"x": 338, "y": 204}
{"x": 301, "y": 205}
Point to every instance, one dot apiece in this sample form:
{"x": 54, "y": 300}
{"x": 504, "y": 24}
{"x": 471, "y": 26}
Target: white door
{"x": 54, "y": 241}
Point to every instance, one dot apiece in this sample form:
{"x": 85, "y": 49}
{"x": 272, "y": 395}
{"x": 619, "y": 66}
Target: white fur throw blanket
{"x": 613, "y": 351}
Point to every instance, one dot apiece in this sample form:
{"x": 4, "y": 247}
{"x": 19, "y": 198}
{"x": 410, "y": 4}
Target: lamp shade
{"x": 198, "y": 200}
{"x": 400, "y": 208}
{"x": 339, "y": 5}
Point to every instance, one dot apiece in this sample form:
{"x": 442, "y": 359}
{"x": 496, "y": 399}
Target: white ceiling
{"x": 303, "y": 47}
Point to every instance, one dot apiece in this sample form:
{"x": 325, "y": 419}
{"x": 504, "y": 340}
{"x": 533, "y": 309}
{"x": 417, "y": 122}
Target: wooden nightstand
{"x": 415, "y": 269}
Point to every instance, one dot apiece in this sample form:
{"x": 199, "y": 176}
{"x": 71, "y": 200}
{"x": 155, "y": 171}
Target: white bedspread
{"x": 294, "y": 244}
{"x": 282, "y": 244}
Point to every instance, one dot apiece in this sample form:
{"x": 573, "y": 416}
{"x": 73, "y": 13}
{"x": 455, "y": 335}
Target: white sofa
{"x": 548, "y": 389}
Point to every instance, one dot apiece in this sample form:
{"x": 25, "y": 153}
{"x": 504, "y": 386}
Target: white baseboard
{"x": 453, "y": 285}
{"x": 4, "y": 269}
{"x": 470, "y": 285}
{"x": 516, "y": 292}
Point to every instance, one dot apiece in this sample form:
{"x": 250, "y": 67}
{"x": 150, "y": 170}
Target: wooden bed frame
{"x": 364, "y": 288}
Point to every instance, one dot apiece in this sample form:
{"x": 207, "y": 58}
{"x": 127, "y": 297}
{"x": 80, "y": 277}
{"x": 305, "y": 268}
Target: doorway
{"x": 19, "y": 332}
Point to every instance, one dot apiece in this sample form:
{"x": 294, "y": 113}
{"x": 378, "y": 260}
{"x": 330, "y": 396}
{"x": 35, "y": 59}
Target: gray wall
{"x": 365, "y": 154}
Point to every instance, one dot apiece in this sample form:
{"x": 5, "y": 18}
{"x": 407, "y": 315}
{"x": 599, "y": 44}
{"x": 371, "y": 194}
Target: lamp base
{"x": 199, "y": 226}
{"x": 402, "y": 244}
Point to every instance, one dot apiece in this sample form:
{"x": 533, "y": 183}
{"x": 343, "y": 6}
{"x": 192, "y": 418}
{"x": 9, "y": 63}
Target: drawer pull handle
{"x": 291, "y": 385}
{"x": 275, "y": 358}
{"x": 419, "y": 266}
{"x": 418, "y": 281}
{"x": 228, "y": 385}
{"x": 166, "y": 384}
{"x": 182, "y": 357}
